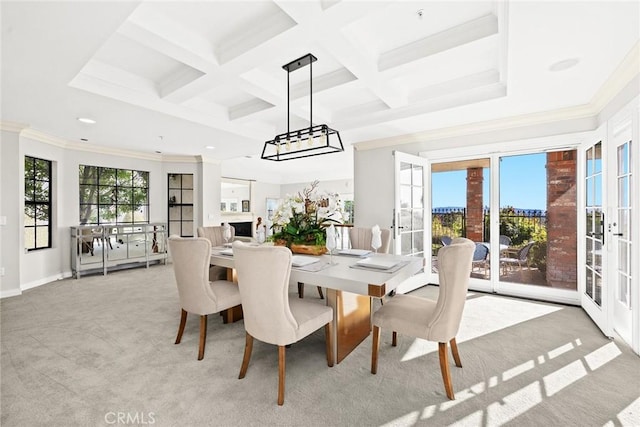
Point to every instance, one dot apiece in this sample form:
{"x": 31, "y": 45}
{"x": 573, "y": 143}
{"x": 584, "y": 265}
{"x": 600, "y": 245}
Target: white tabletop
{"x": 342, "y": 276}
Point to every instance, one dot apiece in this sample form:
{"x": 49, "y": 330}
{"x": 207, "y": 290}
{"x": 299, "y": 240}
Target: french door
{"x": 409, "y": 213}
{"x": 594, "y": 296}
{"x": 621, "y": 188}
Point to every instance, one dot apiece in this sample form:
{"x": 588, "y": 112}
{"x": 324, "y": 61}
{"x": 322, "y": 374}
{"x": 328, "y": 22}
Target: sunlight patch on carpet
{"x": 485, "y": 315}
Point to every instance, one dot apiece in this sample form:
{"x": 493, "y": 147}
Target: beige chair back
{"x": 454, "y": 267}
{"x": 360, "y": 238}
{"x": 215, "y": 234}
{"x": 263, "y": 280}
{"x": 191, "y": 267}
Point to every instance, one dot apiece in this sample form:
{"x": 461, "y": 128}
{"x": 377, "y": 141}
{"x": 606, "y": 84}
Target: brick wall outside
{"x": 475, "y": 213}
{"x": 561, "y": 220}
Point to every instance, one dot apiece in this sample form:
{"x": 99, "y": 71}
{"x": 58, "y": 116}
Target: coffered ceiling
{"x": 178, "y": 77}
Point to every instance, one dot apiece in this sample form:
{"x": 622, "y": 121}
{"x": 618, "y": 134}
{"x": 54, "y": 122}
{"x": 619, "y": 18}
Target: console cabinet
{"x": 98, "y": 248}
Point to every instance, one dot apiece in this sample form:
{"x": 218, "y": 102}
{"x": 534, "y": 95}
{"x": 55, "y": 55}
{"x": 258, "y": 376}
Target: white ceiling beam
{"x": 456, "y": 99}
{"x": 327, "y": 26}
{"x": 444, "y": 40}
{"x": 464, "y": 83}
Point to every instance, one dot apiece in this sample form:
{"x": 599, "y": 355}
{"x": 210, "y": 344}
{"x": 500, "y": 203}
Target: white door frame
{"x": 600, "y": 314}
{"x": 421, "y": 278}
{"x": 620, "y": 133}
{"x": 624, "y": 127}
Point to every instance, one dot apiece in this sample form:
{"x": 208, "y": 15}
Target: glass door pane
{"x": 411, "y": 212}
{"x": 621, "y": 234}
{"x": 535, "y": 189}
{"x": 594, "y": 236}
{"x": 460, "y": 194}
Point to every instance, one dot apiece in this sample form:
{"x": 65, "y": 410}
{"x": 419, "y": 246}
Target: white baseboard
{"x": 11, "y": 293}
{"x": 45, "y": 280}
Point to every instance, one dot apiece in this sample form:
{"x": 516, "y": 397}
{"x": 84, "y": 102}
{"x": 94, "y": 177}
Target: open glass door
{"x": 409, "y": 207}
{"x": 594, "y": 298}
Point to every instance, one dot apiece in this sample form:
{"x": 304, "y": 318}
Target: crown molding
{"x": 12, "y": 126}
{"x": 114, "y": 151}
{"x": 39, "y": 136}
{"x": 628, "y": 69}
{"x": 44, "y": 137}
{"x": 564, "y": 114}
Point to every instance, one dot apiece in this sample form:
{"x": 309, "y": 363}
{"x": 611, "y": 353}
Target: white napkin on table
{"x": 331, "y": 237}
{"x": 226, "y": 231}
{"x": 376, "y": 237}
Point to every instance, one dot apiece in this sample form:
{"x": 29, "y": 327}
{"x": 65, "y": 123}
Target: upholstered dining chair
{"x": 360, "y": 238}
{"x": 215, "y": 235}
{"x": 269, "y": 315}
{"x": 197, "y": 294}
{"x": 427, "y": 319}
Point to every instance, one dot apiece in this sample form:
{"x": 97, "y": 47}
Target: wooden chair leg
{"x": 320, "y": 292}
{"x": 203, "y": 335}
{"x": 248, "y": 347}
{"x": 444, "y": 367}
{"x": 374, "y": 349}
{"x": 183, "y": 322}
{"x": 281, "y": 371}
{"x": 328, "y": 333}
{"x": 394, "y": 339}
{"x": 300, "y": 290}
{"x": 454, "y": 352}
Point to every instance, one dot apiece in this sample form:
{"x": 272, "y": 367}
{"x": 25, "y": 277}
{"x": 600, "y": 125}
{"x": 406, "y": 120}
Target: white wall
{"x": 42, "y": 266}
{"x": 208, "y": 207}
{"x": 373, "y": 172}
{"x": 10, "y": 207}
{"x": 340, "y": 186}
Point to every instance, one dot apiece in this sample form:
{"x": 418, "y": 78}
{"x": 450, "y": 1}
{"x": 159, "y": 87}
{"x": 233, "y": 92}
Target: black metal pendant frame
{"x": 305, "y": 142}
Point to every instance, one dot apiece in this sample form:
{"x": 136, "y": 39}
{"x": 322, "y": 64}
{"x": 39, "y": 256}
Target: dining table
{"x": 351, "y": 283}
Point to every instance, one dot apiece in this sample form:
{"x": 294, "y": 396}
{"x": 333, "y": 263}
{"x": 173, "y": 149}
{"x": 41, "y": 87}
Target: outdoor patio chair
{"x": 505, "y": 240}
{"x": 480, "y": 257}
{"x": 446, "y": 240}
{"x": 520, "y": 258}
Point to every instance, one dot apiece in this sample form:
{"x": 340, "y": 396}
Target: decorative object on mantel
{"x": 305, "y": 142}
{"x": 300, "y": 221}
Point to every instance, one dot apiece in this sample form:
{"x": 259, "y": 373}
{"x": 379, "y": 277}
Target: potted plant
{"x": 299, "y": 221}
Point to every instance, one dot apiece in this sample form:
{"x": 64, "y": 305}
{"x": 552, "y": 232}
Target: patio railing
{"x": 519, "y": 224}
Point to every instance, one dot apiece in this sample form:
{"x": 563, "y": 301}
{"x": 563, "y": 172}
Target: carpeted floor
{"x": 99, "y": 351}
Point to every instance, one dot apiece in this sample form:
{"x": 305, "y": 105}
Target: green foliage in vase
{"x": 302, "y": 218}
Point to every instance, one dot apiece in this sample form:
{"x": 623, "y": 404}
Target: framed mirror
{"x": 235, "y": 195}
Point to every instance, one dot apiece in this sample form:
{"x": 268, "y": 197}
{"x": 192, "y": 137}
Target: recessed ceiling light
{"x": 565, "y": 64}
{"x": 86, "y": 120}
{"x": 210, "y": 147}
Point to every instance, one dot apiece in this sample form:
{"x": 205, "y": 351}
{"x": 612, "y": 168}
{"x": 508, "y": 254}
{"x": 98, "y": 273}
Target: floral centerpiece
{"x": 301, "y": 219}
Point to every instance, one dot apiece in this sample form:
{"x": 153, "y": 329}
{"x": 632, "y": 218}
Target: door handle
{"x": 617, "y": 234}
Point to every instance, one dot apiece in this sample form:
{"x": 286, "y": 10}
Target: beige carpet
{"x": 99, "y": 351}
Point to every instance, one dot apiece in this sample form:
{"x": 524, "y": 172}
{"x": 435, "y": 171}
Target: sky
{"x": 522, "y": 184}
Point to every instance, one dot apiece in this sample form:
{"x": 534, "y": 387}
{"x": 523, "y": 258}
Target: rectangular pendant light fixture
{"x": 308, "y": 141}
